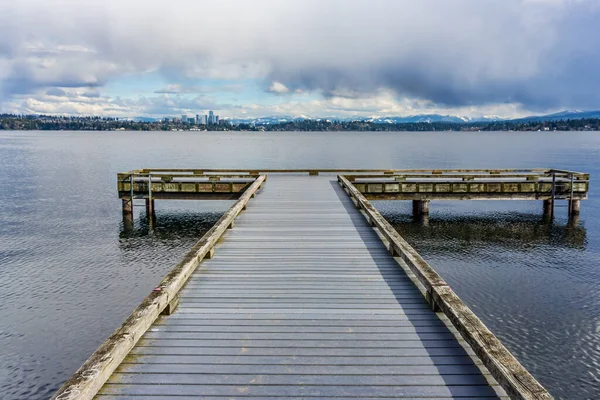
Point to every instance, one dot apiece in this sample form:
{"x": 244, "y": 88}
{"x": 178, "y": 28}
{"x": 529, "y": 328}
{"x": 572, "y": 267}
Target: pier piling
{"x": 127, "y": 206}
{"x": 420, "y": 207}
{"x": 549, "y": 208}
{"x": 150, "y": 208}
{"x": 574, "y": 207}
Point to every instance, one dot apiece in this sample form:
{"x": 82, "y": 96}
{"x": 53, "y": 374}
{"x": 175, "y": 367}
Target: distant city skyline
{"x": 467, "y": 58}
{"x": 199, "y": 119}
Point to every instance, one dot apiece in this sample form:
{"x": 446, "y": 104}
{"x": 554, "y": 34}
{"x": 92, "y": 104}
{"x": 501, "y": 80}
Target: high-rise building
{"x": 216, "y": 119}
{"x": 211, "y": 117}
{"x": 184, "y": 118}
{"x": 205, "y": 119}
{"x": 197, "y": 119}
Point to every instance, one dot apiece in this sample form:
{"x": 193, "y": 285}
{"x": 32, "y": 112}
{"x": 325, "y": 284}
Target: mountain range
{"x": 422, "y": 118}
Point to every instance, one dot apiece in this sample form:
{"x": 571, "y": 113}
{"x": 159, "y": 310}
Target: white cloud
{"x": 278, "y": 88}
{"x": 383, "y": 103}
{"x": 543, "y": 54}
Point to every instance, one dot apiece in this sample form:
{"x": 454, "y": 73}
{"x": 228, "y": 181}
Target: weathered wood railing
{"x": 473, "y": 185}
{"x": 418, "y": 185}
{"x": 88, "y": 380}
{"x": 504, "y": 367}
{"x": 316, "y": 171}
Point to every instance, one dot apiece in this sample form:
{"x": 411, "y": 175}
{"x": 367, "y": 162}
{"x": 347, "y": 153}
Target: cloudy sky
{"x": 247, "y": 58}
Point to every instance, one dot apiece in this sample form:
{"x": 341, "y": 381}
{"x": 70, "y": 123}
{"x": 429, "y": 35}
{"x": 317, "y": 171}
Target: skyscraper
{"x": 198, "y": 119}
{"x": 184, "y": 118}
{"x": 216, "y": 119}
{"x": 211, "y": 117}
{"x": 205, "y": 119}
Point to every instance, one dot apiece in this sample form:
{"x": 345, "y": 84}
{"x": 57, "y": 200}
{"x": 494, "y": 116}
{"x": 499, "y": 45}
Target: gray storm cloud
{"x": 539, "y": 53}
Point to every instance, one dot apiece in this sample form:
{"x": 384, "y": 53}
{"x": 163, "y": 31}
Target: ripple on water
{"x": 70, "y": 274}
{"x": 531, "y": 283}
{"x": 80, "y": 277}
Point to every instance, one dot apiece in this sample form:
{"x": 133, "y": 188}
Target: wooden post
{"x": 422, "y": 219}
{"x": 127, "y": 214}
{"x": 574, "y": 207}
{"x": 150, "y": 186}
{"x": 420, "y": 207}
{"x": 210, "y": 254}
{"x": 573, "y": 221}
{"x": 170, "y": 308}
{"x": 127, "y": 206}
{"x": 131, "y": 188}
{"x": 150, "y": 208}
{"x": 548, "y": 208}
{"x": 553, "y": 194}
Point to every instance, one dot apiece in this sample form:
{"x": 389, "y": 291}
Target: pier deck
{"x": 308, "y": 294}
{"x": 301, "y": 299}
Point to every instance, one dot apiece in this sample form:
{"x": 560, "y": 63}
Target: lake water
{"x": 70, "y": 274}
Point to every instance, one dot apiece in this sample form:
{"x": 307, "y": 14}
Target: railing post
{"x": 128, "y": 205}
{"x": 150, "y": 201}
{"x": 573, "y": 204}
{"x": 131, "y": 186}
{"x": 553, "y": 194}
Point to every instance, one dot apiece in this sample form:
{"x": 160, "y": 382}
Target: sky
{"x": 317, "y": 58}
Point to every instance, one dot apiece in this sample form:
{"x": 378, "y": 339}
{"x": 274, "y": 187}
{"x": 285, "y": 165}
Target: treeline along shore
{"x": 36, "y": 122}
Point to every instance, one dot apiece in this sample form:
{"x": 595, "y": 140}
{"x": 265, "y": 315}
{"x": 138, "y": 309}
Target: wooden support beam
{"x": 170, "y": 308}
{"x": 429, "y": 297}
{"x": 210, "y": 254}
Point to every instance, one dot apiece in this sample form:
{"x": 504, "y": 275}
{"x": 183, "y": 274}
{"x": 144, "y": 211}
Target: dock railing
{"x": 88, "y": 379}
{"x": 503, "y": 366}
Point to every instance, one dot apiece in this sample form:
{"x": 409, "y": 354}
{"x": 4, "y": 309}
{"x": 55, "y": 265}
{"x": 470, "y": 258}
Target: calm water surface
{"x": 70, "y": 274}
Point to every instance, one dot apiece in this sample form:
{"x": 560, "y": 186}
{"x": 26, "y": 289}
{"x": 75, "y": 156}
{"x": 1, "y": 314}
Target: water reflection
{"x": 529, "y": 279}
{"x": 168, "y": 226}
{"x": 71, "y": 274}
{"x": 508, "y": 229}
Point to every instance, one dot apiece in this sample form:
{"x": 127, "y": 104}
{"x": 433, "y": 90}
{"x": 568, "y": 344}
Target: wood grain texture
{"x": 504, "y": 367}
{"x": 301, "y": 300}
{"x": 86, "y": 382}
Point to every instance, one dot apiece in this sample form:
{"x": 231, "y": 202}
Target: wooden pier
{"x": 420, "y": 186}
{"x": 309, "y": 293}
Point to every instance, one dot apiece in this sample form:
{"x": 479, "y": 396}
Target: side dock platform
{"x": 308, "y": 293}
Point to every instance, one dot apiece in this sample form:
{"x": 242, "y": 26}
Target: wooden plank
{"x": 504, "y": 367}
{"x": 303, "y": 360}
{"x": 304, "y": 369}
{"x": 296, "y": 352}
{"x": 86, "y": 382}
{"x": 302, "y": 391}
{"x": 341, "y": 380}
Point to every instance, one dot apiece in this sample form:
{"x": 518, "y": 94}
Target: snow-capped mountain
{"x": 562, "y": 115}
{"x": 421, "y": 118}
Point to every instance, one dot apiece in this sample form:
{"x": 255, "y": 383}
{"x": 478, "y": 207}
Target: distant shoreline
{"x": 43, "y": 123}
